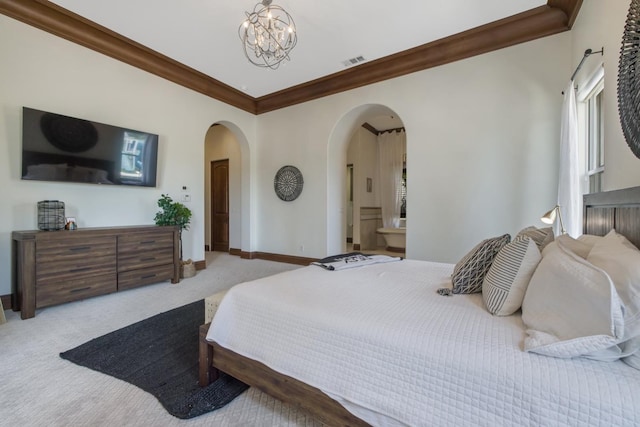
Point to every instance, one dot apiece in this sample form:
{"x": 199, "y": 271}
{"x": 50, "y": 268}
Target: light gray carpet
{"x": 39, "y": 388}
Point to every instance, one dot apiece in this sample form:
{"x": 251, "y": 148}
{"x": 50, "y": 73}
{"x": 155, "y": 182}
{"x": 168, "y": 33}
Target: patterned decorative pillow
{"x": 469, "y": 272}
{"x": 542, "y": 236}
{"x": 506, "y": 282}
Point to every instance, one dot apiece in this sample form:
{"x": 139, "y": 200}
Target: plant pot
{"x": 188, "y": 270}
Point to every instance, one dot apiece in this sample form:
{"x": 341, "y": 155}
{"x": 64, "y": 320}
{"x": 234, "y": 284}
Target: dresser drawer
{"x": 138, "y": 242}
{"x": 87, "y": 266}
{"x": 144, "y": 276}
{"x": 142, "y": 259}
{"x": 57, "y": 292}
{"x": 69, "y": 250}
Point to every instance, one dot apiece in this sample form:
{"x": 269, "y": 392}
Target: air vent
{"x": 353, "y": 61}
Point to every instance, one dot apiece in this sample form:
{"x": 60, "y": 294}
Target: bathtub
{"x": 396, "y": 238}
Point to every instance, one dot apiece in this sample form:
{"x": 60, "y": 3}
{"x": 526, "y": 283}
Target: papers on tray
{"x": 351, "y": 260}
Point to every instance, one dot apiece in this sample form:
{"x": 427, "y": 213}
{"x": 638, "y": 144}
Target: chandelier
{"x": 268, "y": 35}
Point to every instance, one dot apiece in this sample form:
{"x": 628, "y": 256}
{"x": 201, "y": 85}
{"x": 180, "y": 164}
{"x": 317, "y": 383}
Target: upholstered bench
{"x": 211, "y": 305}
{"x": 207, "y": 373}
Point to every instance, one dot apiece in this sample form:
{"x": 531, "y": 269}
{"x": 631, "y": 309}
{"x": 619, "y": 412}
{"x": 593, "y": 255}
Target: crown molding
{"x": 63, "y": 23}
{"x": 526, "y": 26}
{"x": 553, "y": 18}
{"x": 569, "y": 7}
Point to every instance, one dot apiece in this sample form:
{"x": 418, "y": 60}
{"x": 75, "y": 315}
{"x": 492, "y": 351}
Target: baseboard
{"x": 200, "y": 265}
{"x": 6, "y": 302}
{"x": 289, "y": 259}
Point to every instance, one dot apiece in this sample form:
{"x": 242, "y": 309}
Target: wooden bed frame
{"x": 619, "y": 209}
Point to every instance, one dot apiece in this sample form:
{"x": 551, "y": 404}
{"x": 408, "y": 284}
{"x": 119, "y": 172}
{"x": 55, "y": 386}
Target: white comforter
{"x": 383, "y": 343}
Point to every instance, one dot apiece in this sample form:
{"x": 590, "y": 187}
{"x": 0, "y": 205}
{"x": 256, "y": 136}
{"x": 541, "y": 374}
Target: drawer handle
{"x": 80, "y": 289}
{"x": 76, "y": 270}
{"x": 148, "y": 276}
{"x": 80, "y": 249}
{"x": 147, "y": 242}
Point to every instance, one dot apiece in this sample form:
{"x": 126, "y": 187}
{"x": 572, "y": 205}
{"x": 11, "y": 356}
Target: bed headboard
{"x": 619, "y": 209}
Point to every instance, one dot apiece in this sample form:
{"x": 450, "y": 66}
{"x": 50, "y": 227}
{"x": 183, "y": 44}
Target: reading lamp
{"x": 550, "y": 217}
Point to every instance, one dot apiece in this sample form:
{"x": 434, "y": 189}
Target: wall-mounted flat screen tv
{"x": 62, "y": 148}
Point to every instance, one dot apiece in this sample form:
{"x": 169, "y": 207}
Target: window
{"x": 133, "y": 149}
{"x": 595, "y": 141}
{"x": 594, "y": 131}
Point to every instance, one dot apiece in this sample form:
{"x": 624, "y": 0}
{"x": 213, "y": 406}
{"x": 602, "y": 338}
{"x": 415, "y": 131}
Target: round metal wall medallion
{"x": 288, "y": 183}
{"x": 628, "y": 82}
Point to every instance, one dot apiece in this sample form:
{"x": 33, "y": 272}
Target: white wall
{"x": 222, "y": 144}
{"x": 482, "y": 138}
{"x": 48, "y": 73}
{"x": 601, "y": 24}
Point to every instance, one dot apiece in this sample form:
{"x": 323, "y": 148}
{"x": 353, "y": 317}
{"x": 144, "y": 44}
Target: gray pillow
{"x": 542, "y": 236}
{"x": 469, "y": 272}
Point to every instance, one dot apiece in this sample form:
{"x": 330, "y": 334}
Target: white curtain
{"x": 391, "y": 149}
{"x": 569, "y": 195}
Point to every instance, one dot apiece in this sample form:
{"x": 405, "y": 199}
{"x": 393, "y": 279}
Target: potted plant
{"x": 175, "y": 213}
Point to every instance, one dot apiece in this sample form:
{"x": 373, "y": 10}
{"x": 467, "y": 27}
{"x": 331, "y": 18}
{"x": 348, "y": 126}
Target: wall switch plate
{"x": 186, "y": 197}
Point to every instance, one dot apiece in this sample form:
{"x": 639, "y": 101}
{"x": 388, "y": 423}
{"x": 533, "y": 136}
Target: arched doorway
{"x": 337, "y": 172}
{"x": 227, "y": 191}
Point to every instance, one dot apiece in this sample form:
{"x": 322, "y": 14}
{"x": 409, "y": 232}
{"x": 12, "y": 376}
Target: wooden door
{"x": 220, "y": 205}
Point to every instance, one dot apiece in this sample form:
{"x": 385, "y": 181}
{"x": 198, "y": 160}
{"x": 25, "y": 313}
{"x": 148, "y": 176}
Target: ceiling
{"x": 195, "y": 43}
{"x": 203, "y": 34}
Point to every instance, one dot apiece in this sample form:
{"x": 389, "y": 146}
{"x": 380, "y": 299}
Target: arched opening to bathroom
{"x": 369, "y": 144}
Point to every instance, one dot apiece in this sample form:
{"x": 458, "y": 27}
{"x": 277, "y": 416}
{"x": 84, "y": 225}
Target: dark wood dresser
{"x": 54, "y": 267}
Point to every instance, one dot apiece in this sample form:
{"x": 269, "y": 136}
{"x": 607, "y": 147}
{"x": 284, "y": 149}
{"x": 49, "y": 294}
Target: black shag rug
{"x": 160, "y": 355}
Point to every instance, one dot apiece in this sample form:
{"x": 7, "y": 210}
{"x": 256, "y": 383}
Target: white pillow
{"x": 572, "y": 309}
{"x": 506, "y": 282}
{"x": 590, "y": 239}
{"x": 577, "y": 246}
{"x": 621, "y": 260}
{"x": 632, "y": 360}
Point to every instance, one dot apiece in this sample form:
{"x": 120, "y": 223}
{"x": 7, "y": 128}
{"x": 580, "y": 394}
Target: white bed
{"x": 382, "y": 343}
